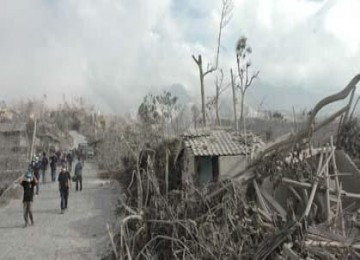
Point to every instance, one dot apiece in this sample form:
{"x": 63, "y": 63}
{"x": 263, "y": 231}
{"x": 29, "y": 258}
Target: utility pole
{"x": 234, "y": 99}
{"x": 33, "y": 139}
{"x": 95, "y": 130}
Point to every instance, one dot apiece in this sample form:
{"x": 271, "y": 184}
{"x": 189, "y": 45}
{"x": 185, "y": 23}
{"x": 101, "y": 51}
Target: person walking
{"x": 53, "y": 162}
{"x": 63, "y": 161}
{"x": 36, "y": 166}
{"x": 69, "y": 158}
{"x": 28, "y": 182}
{"x": 44, "y": 165}
{"x": 78, "y": 175}
{"x": 64, "y": 180}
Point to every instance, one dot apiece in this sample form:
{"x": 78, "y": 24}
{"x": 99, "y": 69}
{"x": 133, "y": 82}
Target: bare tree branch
{"x": 251, "y": 79}
{"x": 196, "y": 60}
{"x": 225, "y": 16}
{"x": 209, "y": 70}
{"x": 224, "y": 19}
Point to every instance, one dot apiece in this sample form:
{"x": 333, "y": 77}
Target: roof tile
{"x": 220, "y": 143}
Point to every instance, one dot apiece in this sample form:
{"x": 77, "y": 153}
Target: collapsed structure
{"x": 291, "y": 201}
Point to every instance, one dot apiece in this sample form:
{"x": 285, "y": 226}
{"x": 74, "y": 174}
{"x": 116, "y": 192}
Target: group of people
{"x": 30, "y": 181}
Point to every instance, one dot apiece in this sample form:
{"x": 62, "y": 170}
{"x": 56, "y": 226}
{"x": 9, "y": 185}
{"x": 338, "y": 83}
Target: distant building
{"x": 14, "y": 146}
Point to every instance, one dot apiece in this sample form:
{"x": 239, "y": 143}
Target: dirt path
{"x": 80, "y": 233}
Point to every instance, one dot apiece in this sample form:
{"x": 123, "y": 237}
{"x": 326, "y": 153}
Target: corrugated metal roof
{"x": 12, "y": 127}
{"x": 220, "y": 143}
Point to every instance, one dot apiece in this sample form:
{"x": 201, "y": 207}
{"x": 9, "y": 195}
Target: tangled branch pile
{"x": 188, "y": 226}
{"x": 242, "y": 221}
{"x": 242, "y": 218}
{"x": 349, "y": 138}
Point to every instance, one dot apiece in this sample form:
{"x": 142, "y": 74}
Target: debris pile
{"x": 245, "y": 222}
{"x": 349, "y": 138}
{"x": 287, "y": 204}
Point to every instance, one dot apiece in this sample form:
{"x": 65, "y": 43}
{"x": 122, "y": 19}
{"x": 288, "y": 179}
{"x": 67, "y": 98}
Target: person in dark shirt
{"x": 63, "y": 160}
{"x": 28, "y": 182}
{"x": 53, "y": 162}
{"x": 36, "y": 166}
{"x": 78, "y": 175}
{"x": 44, "y": 165}
{"x": 69, "y": 158}
{"x": 64, "y": 180}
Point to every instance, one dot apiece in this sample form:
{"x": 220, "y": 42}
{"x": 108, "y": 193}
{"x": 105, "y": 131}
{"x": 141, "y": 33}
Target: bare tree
{"x": 213, "y": 102}
{"x": 219, "y": 89}
{"x": 195, "y": 114}
{"x": 224, "y": 20}
{"x": 234, "y": 98}
{"x": 246, "y": 78}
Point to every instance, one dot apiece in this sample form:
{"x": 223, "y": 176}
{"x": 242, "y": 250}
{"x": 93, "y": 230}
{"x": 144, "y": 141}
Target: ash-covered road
{"x": 80, "y": 233}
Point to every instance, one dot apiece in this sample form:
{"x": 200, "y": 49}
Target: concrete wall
{"x": 228, "y": 166}
{"x": 231, "y": 165}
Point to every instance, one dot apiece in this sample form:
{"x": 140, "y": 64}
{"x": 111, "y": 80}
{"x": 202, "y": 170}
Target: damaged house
{"x": 209, "y": 155}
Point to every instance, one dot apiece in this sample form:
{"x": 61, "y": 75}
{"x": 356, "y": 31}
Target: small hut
{"x": 209, "y": 155}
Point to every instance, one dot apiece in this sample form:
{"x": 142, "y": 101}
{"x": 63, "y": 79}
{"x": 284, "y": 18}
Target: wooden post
{"x": 139, "y": 183}
{"x": 312, "y": 194}
{"x": 336, "y": 172}
{"x": 167, "y": 171}
{"x": 338, "y": 189}
{"x": 341, "y": 216}
{"x": 33, "y": 139}
{"x": 327, "y": 191}
{"x": 295, "y": 124}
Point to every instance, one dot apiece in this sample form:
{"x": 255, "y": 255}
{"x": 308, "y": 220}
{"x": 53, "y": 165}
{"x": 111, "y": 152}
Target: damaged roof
{"x": 220, "y": 143}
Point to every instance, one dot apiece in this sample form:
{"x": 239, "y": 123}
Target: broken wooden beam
{"x": 306, "y": 185}
{"x": 289, "y": 253}
{"x": 330, "y": 244}
{"x": 271, "y": 200}
{"x": 314, "y": 188}
{"x": 327, "y": 190}
{"x": 260, "y": 198}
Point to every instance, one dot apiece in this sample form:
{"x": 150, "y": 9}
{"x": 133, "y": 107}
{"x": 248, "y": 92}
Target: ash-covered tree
{"x": 168, "y": 106}
{"x": 161, "y": 110}
{"x": 245, "y": 75}
{"x": 214, "y": 101}
{"x": 225, "y": 17}
{"x": 148, "y": 113}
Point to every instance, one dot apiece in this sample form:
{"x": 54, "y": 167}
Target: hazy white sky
{"x": 114, "y": 51}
